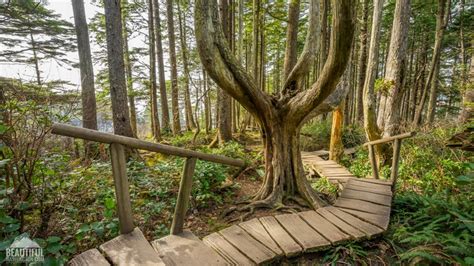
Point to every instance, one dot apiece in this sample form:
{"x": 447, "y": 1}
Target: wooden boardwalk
{"x": 361, "y": 212}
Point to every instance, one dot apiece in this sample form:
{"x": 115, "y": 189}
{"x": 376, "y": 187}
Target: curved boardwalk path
{"x": 362, "y": 211}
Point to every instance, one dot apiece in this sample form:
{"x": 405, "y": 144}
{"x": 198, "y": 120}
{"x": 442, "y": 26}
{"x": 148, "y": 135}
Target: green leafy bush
{"x": 436, "y": 228}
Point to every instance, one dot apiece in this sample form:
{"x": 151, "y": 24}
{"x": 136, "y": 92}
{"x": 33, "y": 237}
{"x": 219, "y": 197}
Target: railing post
{"x": 183, "y": 196}
{"x": 373, "y": 162}
{"x": 119, "y": 171}
{"x": 396, "y": 155}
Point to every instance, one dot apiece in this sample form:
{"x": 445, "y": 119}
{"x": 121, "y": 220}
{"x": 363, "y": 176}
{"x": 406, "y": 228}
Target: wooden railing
{"x": 119, "y": 170}
{"x": 396, "y": 154}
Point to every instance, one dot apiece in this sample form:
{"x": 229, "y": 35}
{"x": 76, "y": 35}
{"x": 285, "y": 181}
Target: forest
{"x": 232, "y": 132}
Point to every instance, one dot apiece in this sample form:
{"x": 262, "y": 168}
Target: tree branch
{"x": 304, "y": 102}
{"x": 220, "y": 63}
{"x": 310, "y": 49}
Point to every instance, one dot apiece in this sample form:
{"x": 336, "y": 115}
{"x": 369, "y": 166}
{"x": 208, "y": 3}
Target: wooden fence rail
{"x": 119, "y": 170}
{"x": 397, "y": 139}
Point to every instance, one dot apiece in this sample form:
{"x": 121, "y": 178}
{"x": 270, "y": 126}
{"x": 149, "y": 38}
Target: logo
{"x": 23, "y": 249}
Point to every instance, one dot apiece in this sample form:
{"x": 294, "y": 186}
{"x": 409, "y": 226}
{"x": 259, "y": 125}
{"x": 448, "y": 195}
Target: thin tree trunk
{"x": 118, "y": 89}
{"x": 35, "y": 59}
{"x": 324, "y": 33}
{"x": 128, "y": 71}
{"x": 362, "y": 62}
{"x": 224, "y": 100}
{"x": 188, "y": 109}
{"x": 291, "y": 37}
{"x": 89, "y": 106}
{"x": 174, "y": 69}
{"x": 155, "y": 123}
{"x": 165, "y": 111}
{"x": 430, "y": 116}
{"x": 441, "y": 22}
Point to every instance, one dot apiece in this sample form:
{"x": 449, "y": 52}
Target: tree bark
{"x": 165, "y": 111}
{"x": 188, "y": 109}
{"x": 174, "y": 69}
{"x": 155, "y": 122}
{"x": 391, "y": 99}
{"x": 128, "y": 72}
{"x": 118, "y": 89}
{"x": 431, "y": 111}
{"x": 369, "y": 99}
{"x": 89, "y": 106}
{"x": 336, "y": 148}
{"x": 362, "y": 62}
{"x": 291, "y": 54}
{"x": 224, "y": 104}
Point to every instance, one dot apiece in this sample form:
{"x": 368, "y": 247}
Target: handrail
{"x": 119, "y": 170}
{"x": 395, "y": 158}
{"x": 387, "y": 139}
{"x": 94, "y": 135}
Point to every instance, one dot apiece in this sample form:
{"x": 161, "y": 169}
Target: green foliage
{"x": 435, "y": 228}
{"x": 316, "y": 135}
{"x": 323, "y": 185}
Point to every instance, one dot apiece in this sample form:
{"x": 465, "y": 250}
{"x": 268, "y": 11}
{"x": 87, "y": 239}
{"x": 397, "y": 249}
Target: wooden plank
{"x": 122, "y": 194}
{"x": 360, "y": 205}
{"x": 324, "y": 227}
{"x": 283, "y": 239}
{"x": 232, "y": 255}
{"x": 183, "y": 196}
{"x": 348, "y": 229}
{"x": 308, "y": 238}
{"x": 247, "y": 244}
{"x": 94, "y": 135}
{"x": 356, "y": 181}
{"x": 256, "y": 229}
{"x": 186, "y": 249}
{"x": 350, "y": 185}
{"x": 367, "y": 196}
{"x": 376, "y": 181}
{"x": 91, "y": 257}
{"x": 348, "y": 175}
{"x": 131, "y": 249}
{"x": 367, "y": 228}
{"x": 381, "y": 221}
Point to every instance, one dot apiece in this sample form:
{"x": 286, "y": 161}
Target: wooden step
{"x": 324, "y": 227}
{"x": 186, "y": 249}
{"x": 253, "y": 249}
{"x": 255, "y": 228}
{"x": 281, "y": 236}
{"x": 91, "y": 257}
{"x": 367, "y": 196}
{"x": 369, "y": 229}
{"x": 306, "y": 236}
{"x": 360, "y": 205}
{"x": 131, "y": 249}
{"x": 231, "y": 254}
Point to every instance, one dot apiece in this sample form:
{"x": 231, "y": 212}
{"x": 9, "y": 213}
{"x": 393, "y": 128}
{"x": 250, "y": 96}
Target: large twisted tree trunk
{"x": 281, "y": 116}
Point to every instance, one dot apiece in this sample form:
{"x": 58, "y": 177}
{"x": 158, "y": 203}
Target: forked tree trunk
{"x": 280, "y": 116}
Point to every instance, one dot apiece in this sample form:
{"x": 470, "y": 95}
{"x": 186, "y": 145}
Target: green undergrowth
{"x": 82, "y": 200}
{"x": 316, "y": 135}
